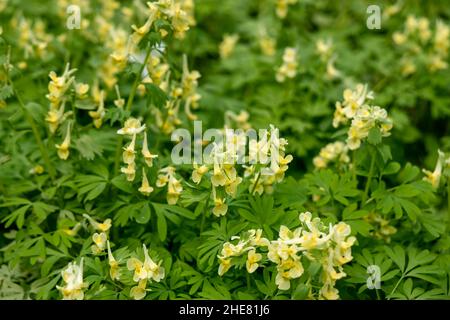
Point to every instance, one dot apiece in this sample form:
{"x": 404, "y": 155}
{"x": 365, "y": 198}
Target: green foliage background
{"x": 34, "y": 209}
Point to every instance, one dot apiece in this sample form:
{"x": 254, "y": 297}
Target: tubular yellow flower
{"x": 74, "y": 285}
{"x": 252, "y": 261}
{"x": 63, "y": 149}
{"x": 132, "y": 127}
{"x": 148, "y": 156}
{"x": 129, "y": 171}
{"x": 128, "y": 154}
{"x": 434, "y": 177}
{"x": 103, "y": 227}
{"x": 99, "y": 242}
{"x": 145, "y": 188}
{"x": 113, "y": 264}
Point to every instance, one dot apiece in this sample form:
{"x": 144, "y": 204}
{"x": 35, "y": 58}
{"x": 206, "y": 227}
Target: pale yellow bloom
{"x": 63, "y": 149}
{"x": 145, "y": 188}
{"x": 435, "y": 177}
{"x": 252, "y": 261}
{"x": 113, "y": 264}
{"x": 132, "y": 127}
{"x": 148, "y": 156}
{"x": 103, "y": 227}
{"x": 227, "y": 45}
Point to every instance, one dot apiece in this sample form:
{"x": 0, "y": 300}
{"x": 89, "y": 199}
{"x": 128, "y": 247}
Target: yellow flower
{"x": 128, "y": 154}
{"x": 282, "y": 7}
{"x": 140, "y": 32}
{"x": 435, "y": 177}
{"x": 224, "y": 266}
{"x": 38, "y": 169}
{"x": 148, "y": 156}
{"x": 145, "y": 188}
{"x": 129, "y": 171}
{"x": 54, "y": 118}
{"x": 74, "y": 285}
{"x": 131, "y": 127}
{"x": 63, "y": 149}
{"x": 99, "y": 242}
{"x": 227, "y": 45}
{"x": 252, "y": 261}
{"x": 198, "y": 172}
{"x": 99, "y": 114}
{"x": 145, "y": 270}
{"x": 329, "y": 292}
{"x": 220, "y": 207}
{"x": 399, "y": 38}
{"x": 72, "y": 232}
{"x": 103, "y": 227}
{"x": 289, "y": 67}
{"x": 138, "y": 292}
{"x": 267, "y": 45}
{"x": 81, "y": 90}
{"x": 113, "y": 265}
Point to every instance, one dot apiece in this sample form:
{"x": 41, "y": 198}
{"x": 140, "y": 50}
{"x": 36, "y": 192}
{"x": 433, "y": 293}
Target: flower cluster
{"x": 267, "y": 164}
{"x": 142, "y": 272}
{"x": 178, "y": 15}
{"x": 329, "y": 246}
{"x": 74, "y": 284}
{"x": 32, "y": 37}
{"x": 363, "y": 117}
{"x": 174, "y": 188}
{"x": 100, "y": 238}
{"x": 58, "y": 88}
{"x": 133, "y": 128}
{"x": 417, "y": 38}
{"x": 336, "y": 151}
{"x": 289, "y": 67}
{"x": 267, "y": 44}
{"x": 325, "y": 51}
{"x": 183, "y": 92}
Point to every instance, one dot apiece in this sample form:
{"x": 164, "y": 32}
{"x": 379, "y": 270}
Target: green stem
{"x": 354, "y": 166}
{"x": 37, "y": 136}
{"x": 256, "y": 183}
{"x": 369, "y": 178}
{"x": 136, "y": 82}
{"x": 138, "y": 79}
{"x": 396, "y": 285}
{"x": 204, "y": 214}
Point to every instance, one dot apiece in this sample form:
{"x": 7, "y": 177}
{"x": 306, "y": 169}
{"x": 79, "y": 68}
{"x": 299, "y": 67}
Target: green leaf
{"x": 143, "y": 214}
{"x": 121, "y": 183}
{"x": 374, "y": 136}
{"x": 156, "y": 96}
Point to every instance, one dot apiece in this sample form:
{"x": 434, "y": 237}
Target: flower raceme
{"x": 363, "y": 117}
{"x": 289, "y": 67}
{"x": 73, "y": 282}
{"x": 418, "y": 39}
{"x": 133, "y": 128}
{"x": 329, "y": 246}
{"x": 174, "y": 188}
{"x": 142, "y": 272}
{"x": 332, "y": 152}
